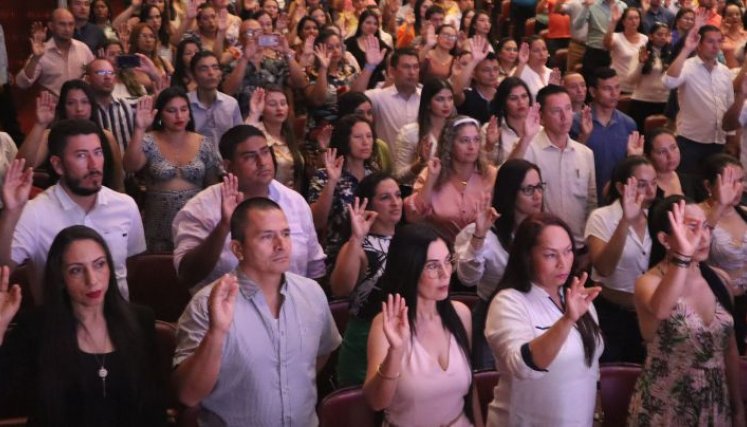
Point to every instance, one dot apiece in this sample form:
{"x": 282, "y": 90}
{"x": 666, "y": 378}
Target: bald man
{"x": 575, "y": 84}
{"x": 57, "y": 60}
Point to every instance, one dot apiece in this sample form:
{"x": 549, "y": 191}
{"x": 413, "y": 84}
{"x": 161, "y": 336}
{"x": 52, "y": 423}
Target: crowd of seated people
{"x": 575, "y": 169}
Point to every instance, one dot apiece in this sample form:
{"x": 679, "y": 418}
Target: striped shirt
{"x": 119, "y": 119}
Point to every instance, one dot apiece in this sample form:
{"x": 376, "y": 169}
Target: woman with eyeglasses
{"x": 447, "y": 192}
{"x": 438, "y": 54}
{"x": 543, "y": 332}
{"x": 684, "y": 21}
{"x": 481, "y": 249}
{"x": 418, "y": 348}
{"x": 175, "y": 161}
{"x": 685, "y": 310}
{"x": 619, "y": 249}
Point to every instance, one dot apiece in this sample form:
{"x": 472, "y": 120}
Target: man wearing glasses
{"x": 113, "y": 114}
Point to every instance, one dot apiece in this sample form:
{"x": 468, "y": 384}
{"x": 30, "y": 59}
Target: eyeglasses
{"x": 434, "y": 268}
{"x": 104, "y": 73}
{"x": 528, "y": 190}
{"x": 449, "y": 37}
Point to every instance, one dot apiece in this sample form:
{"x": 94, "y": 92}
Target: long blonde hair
{"x": 446, "y": 147}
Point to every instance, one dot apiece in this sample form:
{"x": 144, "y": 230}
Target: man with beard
{"x": 27, "y": 228}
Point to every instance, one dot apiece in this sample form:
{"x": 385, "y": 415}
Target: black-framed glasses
{"x": 528, "y": 190}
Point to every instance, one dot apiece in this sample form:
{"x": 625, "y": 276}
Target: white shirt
{"x": 503, "y": 150}
{"x": 115, "y": 216}
{"x": 647, "y": 87}
{"x": 535, "y": 81}
{"x": 634, "y": 259}
{"x": 622, "y": 52}
{"x": 392, "y": 111}
{"x": 407, "y": 147}
{"x": 484, "y": 267}
{"x": 571, "y": 190}
{"x": 704, "y": 97}
{"x": 564, "y": 394}
{"x": 199, "y": 217}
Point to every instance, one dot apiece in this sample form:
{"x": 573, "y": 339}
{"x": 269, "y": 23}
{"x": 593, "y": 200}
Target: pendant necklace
{"x": 102, "y": 372}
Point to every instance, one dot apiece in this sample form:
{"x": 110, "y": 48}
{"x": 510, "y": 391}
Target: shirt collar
{"x": 543, "y": 142}
{"x": 196, "y": 101}
{"x": 249, "y": 288}
{"x": 68, "y": 204}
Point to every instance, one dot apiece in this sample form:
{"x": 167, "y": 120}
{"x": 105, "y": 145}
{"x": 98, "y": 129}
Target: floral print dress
{"x": 683, "y": 382}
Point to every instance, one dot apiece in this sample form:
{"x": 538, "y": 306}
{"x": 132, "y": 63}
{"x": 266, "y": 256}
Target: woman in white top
{"x": 416, "y": 142}
{"x": 506, "y": 127}
{"x": 418, "y": 347}
{"x": 533, "y": 56}
{"x": 543, "y": 331}
{"x": 481, "y": 248}
{"x": 624, "y": 45}
{"x": 269, "y": 112}
{"x": 619, "y": 249}
{"x": 724, "y": 179}
{"x": 646, "y": 71}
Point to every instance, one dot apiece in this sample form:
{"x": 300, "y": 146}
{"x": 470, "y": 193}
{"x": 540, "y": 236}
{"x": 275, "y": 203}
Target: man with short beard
{"x": 27, "y": 228}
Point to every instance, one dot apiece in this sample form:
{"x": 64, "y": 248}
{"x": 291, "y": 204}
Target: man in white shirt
{"x": 201, "y": 229}
{"x": 396, "y": 105}
{"x": 567, "y": 166}
{"x": 27, "y": 228}
{"x": 736, "y": 117}
{"x": 705, "y": 92}
{"x": 213, "y": 112}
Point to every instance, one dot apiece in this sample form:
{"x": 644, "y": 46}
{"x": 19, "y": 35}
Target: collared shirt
{"x": 483, "y": 268}
{"x": 579, "y": 20}
{"x": 571, "y": 180}
{"x": 3, "y": 59}
{"x": 609, "y": 143}
{"x": 267, "y": 373}
{"x": 565, "y": 391}
{"x": 213, "y": 121}
{"x": 704, "y": 96}
{"x": 408, "y": 139}
{"x": 651, "y": 17}
{"x": 115, "y": 216}
{"x": 91, "y": 35}
{"x": 633, "y": 262}
{"x": 598, "y": 16}
{"x": 284, "y": 172}
{"x": 199, "y": 217}
{"x": 476, "y": 106}
{"x": 53, "y": 69}
{"x": 505, "y": 146}
{"x": 392, "y": 111}
{"x": 118, "y": 118}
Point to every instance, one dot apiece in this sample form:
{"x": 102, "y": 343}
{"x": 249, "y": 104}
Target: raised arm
{"x": 321, "y": 207}
{"x": 731, "y": 117}
{"x": 10, "y": 301}
{"x": 616, "y": 14}
{"x": 132, "y": 10}
{"x": 375, "y": 54}
{"x": 15, "y": 194}
{"x": 478, "y": 51}
{"x": 134, "y": 158}
{"x": 196, "y": 376}
{"x": 30, "y": 72}
{"x": 675, "y": 68}
{"x": 351, "y": 261}
{"x": 34, "y": 148}
{"x": 316, "y": 93}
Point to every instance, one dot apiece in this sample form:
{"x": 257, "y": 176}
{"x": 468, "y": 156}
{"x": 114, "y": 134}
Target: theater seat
{"x": 20, "y": 276}
{"x": 560, "y": 59}
{"x": 743, "y": 378}
{"x": 153, "y": 282}
{"x": 466, "y": 298}
{"x": 617, "y": 384}
{"x": 485, "y": 381}
{"x": 624, "y": 104}
{"x": 340, "y": 309}
{"x": 655, "y": 121}
{"x": 346, "y": 408}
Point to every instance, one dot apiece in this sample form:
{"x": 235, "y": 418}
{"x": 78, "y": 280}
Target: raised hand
{"x": 702, "y": 15}
{"x": 434, "y": 168}
{"x": 692, "y": 40}
{"x": 221, "y": 303}
{"x": 333, "y": 164}
{"x": 616, "y": 13}
{"x": 144, "y": 113}
{"x": 430, "y": 37}
{"x": 642, "y": 55}
{"x": 395, "y": 322}
{"x": 425, "y": 148}
{"x": 587, "y": 123}
{"x": 578, "y": 298}
{"x": 532, "y": 123}
{"x": 230, "y": 197}
{"x": 257, "y": 102}
{"x": 281, "y": 23}
{"x": 684, "y": 238}
{"x": 632, "y": 201}
{"x": 374, "y": 53}
{"x": 223, "y": 20}
{"x": 192, "y": 9}
{"x": 492, "y": 134}
{"x": 10, "y": 300}
{"x": 45, "y": 105}
{"x": 524, "y": 53}
{"x": 728, "y": 189}
{"x": 324, "y": 136}
{"x": 124, "y": 35}
{"x": 479, "y": 48}
{"x": 361, "y": 220}
{"x": 410, "y": 18}
{"x": 555, "y": 76}
{"x": 486, "y": 216}
{"x": 38, "y": 37}
{"x": 17, "y": 185}
{"x": 635, "y": 144}
{"x": 322, "y": 56}
{"x": 148, "y": 67}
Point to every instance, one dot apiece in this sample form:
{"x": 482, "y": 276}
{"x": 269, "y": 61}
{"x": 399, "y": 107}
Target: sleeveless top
{"x": 427, "y": 395}
{"x": 159, "y": 169}
{"x": 729, "y": 254}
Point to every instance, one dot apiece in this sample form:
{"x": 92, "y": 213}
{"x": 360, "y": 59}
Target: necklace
{"x": 102, "y": 372}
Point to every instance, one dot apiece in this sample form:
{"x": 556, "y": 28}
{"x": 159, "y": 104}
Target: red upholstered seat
{"x": 617, "y": 383}
{"x": 346, "y": 407}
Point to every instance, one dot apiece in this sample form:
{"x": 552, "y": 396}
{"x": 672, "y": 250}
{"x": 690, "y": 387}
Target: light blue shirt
{"x": 267, "y": 373}
{"x": 215, "y": 120}
{"x": 598, "y": 16}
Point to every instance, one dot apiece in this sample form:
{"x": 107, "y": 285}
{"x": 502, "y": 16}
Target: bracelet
{"x": 680, "y": 262}
{"x": 681, "y": 255}
{"x": 370, "y": 67}
{"x": 384, "y": 377}
{"x": 476, "y": 237}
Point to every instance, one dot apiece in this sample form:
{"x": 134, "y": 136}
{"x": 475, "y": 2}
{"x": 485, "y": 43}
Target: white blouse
{"x": 562, "y": 395}
{"x": 483, "y": 268}
{"x": 622, "y": 52}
